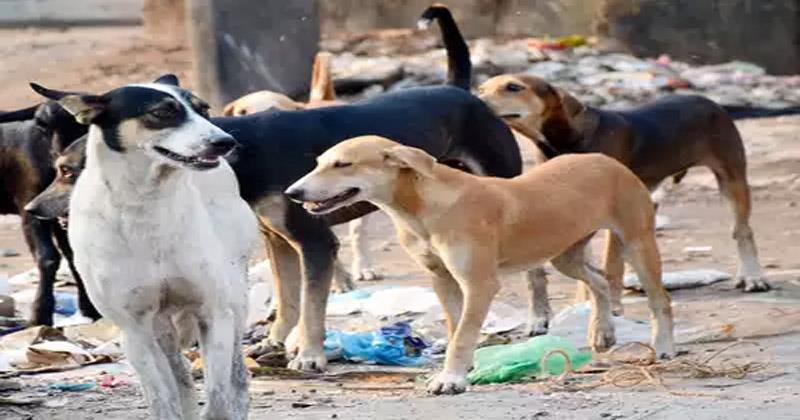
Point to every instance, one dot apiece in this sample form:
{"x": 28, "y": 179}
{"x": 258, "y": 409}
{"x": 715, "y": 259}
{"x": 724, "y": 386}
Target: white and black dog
{"x": 162, "y": 239}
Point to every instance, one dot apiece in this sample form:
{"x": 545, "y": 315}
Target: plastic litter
{"x": 685, "y": 279}
{"x": 393, "y": 344}
{"x": 515, "y": 362}
{"x": 71, "y": 387}
{"x": 66, "y": 303}
{"x": 572, "y": 323}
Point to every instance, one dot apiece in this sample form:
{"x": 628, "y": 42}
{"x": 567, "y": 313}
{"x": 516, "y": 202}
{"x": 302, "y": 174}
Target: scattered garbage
{"x": 7, "y": 306}
{"x": 393, "y": 344}
{"x": 39, "y": 349}
{"x": 8, "y": 252}
{"x": 71, "y": 387}
{"x": 66, "y": 303}
{"x": 535, "y": 358}
{"x": 384, "y": 302}
{"x": 572, "y": 323}
{"x": 697, "y": 251}
{"x": 596, "y": 77}
{"x": 685, "y": 279}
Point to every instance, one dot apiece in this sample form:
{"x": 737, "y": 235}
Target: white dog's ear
{"x": 85, "y": 108}
{"x": 572, "y": 106}
{"x": 411, "y": 158}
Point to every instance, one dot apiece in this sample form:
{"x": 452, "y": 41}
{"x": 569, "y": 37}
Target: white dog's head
{"x": 168, "y": 123}
{"x": 364, "y": 168}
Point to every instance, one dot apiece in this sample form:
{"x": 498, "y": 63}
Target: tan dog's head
{"x": 526, "y": 102}
{"x": 260, "y": 101}
{"x": 359, "y": 169}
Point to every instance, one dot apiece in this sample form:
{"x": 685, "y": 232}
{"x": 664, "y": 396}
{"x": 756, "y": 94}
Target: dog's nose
{"x": 222, "y": 144}
{"x": 295, "y": 194}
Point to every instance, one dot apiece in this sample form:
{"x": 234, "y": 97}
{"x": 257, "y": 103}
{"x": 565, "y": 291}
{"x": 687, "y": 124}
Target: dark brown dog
{"x": 29, "y": 138}
{"x": 658, "y": 140}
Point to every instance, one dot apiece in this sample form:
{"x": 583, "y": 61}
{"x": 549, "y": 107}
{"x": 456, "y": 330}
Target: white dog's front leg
{"x": 225, "y": 374}
{"x": 153, "y": 368}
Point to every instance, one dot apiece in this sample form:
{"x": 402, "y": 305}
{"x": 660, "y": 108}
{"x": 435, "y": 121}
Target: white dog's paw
{"x": 752, "y": 284}
{"x": 367, "y": 274}
{"x": 447, "y": 383}
{"x": 309, "y": 361}
{"x": 537, "y": 326}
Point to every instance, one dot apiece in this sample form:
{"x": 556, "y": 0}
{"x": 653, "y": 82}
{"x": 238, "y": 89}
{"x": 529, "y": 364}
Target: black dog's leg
{"x": 47, "y": 260}
{"x": 84, "y": 303}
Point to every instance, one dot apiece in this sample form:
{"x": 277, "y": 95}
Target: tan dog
{"x": 322, "y": 94}
{"x": 659, "y": 140}
{"x": 467, "y": 229}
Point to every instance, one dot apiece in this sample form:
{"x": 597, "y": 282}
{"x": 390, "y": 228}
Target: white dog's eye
{"x": 164, "y": 112}
{"x": 340, "y": 164}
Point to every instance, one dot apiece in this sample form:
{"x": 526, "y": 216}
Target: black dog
{"x": 29, "y": 138}
{"x": 277, "y": 147}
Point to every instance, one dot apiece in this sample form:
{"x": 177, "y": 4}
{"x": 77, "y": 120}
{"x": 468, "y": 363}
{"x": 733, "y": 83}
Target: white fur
{"x": 163, "y": 251}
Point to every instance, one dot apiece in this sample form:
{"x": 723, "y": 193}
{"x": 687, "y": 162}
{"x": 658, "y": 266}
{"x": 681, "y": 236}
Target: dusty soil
{"x": 99, "y": 58}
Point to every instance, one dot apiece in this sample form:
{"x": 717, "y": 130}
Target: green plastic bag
{"x": 513, "y": 362}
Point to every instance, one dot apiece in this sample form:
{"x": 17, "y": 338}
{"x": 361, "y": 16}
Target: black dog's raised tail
{"x": 19, "y": 115}
{"x": 740, "y": 112}
{"x": 459, "y": 66}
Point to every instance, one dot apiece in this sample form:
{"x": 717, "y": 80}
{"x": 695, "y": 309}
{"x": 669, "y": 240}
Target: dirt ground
{"x": 99, "y": 58}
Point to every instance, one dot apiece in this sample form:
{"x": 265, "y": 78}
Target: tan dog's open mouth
{"x": 322, "y": 206}
{"x": 510, "y": 116}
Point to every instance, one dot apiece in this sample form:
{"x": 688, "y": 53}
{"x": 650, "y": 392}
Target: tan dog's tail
{"x": 321, "y": 80}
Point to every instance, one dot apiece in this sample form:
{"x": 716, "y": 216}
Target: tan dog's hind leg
{"x": 538, "y": 304}
{"x": 642, "y": 254}
{"x": 476, "y": 274}
{"x": 572, "y": 263}
{"x": 749, "y": 275}
{"x": 614, "y": 267}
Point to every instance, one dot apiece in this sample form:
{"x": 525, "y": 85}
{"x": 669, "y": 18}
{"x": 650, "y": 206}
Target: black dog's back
{"x": 277, "y": 148}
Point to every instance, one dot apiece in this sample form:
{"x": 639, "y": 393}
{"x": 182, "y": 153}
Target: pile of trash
{"x": 597, "y": 77}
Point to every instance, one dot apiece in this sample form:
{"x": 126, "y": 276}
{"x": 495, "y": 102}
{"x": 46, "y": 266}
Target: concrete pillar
{"x": 240, "y": 46}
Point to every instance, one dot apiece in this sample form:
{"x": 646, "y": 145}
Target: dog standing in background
{"x": 162, "y": 238}
{"x": 656, "y": 141}
{"x": 28, "y": 140}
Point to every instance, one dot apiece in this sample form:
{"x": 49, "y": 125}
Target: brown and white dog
{"x": 321, "y": 95}
{"x": 658, "y": 140}
{"x": 466, "y": 230}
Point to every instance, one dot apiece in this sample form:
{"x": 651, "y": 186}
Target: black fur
{"x": 29, "y": 139}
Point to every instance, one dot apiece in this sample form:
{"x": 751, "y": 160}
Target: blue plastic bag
{"x": 391, "y": 345}
{"x": 66, "y": 303}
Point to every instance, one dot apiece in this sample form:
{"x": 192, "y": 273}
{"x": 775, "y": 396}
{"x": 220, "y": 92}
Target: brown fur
{"x": 466, "y": 229}
{"x": 704, "y": 135}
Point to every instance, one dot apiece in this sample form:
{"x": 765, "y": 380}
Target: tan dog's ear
{"x": 572, "y": 106}
{"x": 411, "y": 158}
